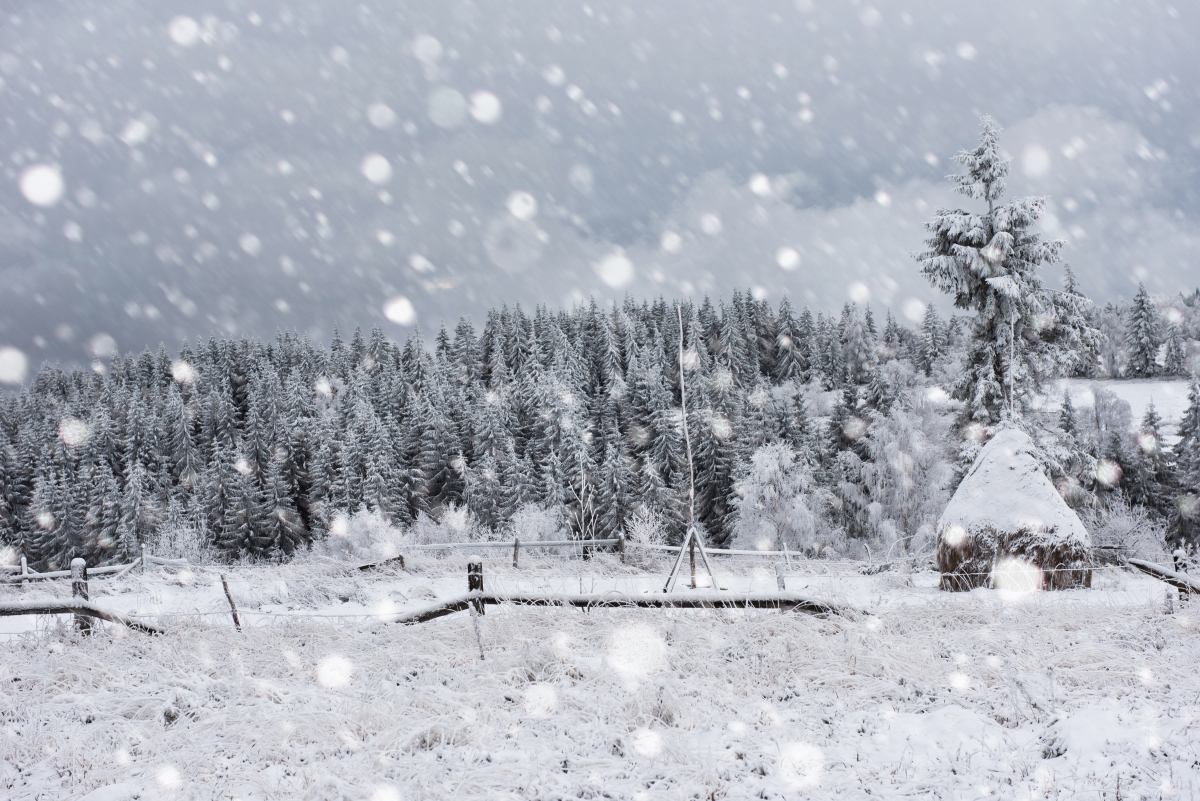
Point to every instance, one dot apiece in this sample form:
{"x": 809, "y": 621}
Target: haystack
{"x": 1008, "y": 527}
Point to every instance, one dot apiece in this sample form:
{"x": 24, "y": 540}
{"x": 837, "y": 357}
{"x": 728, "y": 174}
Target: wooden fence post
{"x": 779, "y": 577}
{"x": 143, "y": 559}
{"x": 232, "y": 606}
{"x": 475, "y": 581}
{"x": 621, "y": 546}
{"x": 79, "y": 589}
{"x": 24, "y": 566}
{"x": 516, "y": 551}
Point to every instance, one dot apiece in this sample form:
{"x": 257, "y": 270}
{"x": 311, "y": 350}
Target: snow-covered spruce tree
{"x": 1148, "y": 477}
{"x": 932, "y": 340}
{"x": 1143, "y": 335}
{"x": 1185, "y": 520}
{"x": 989, "y": 264}
{"x": 1066, "y": 415}
{"x": 1073, "y": 331}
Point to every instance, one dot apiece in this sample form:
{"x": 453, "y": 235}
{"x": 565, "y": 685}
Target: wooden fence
{"x": 15, "y": 574}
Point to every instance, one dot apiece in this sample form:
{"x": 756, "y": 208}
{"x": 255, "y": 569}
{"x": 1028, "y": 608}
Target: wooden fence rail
{"x": 478, "y": 598}
{"x": 76, "y": 606}
{"x": 1180, "y": 581}
{"x": 511, "y": 543}
{"x": 21, "y": 572}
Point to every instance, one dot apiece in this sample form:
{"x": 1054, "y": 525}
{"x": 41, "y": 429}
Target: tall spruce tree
{"x": 1143, "y": 335}
{"x": 988, "y": 262}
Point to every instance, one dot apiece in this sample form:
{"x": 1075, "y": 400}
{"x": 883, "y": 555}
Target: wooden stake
{"x": 232, "y": 606}
{"x": 779, "y": 578}
{"x": 475, "y": 581}
{"x": 79, "y": 589}
{"x": 516, "y": 551}
{"x": 143, "y": 559}
{"x": 621, "y": 546}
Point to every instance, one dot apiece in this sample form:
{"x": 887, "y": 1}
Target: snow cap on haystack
{"x": 1008, "y": 527}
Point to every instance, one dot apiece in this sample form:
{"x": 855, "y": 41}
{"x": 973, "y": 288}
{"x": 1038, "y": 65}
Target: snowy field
{"x": 1169, "y": 396}
{"x": 921, "y": 693}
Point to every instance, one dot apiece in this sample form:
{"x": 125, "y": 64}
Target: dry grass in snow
{"x": 1055, "y": 695}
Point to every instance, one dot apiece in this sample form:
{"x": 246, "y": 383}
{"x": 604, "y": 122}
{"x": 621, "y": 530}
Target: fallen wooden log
{"x": 786, "y": 601}
{"x": 437, "y": 610}
{"x": 1180, "y": 581}
{"x": 704, "y": 599}
{"x": 394, "y": 560}
{"x": 52, "y": 606}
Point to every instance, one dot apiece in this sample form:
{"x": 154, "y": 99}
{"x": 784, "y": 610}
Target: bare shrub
{"x": 1119, "y": 531}
{"x": 182, "y": 539}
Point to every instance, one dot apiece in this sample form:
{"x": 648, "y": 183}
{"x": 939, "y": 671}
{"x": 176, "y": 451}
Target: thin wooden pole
{"x": 232, "y": 606}
{"x": 516, "y": 551}
{"x": 143, "y": 559}
{"x": 678, "y": 561}
{"x": 692, "y": 559}
{"x": 621, "y": 546}
{"x": 79, "y": 589}
{"x": 24, "y": 567}
{"x": 687, "y": 437}
{"x": 779, "y": 577}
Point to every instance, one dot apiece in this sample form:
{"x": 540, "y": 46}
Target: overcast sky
{"x": 177, "y": 169}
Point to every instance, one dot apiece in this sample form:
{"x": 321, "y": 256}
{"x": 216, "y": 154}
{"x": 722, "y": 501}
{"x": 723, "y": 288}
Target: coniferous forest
{"x": 259, "y": 446}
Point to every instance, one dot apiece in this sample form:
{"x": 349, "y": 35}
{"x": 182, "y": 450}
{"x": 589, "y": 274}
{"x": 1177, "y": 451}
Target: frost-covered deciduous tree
{"x": 908, "y": 476}
{"x": 988, "y": 262}
{"x": 1143, "y": 335}
{"x": 773, "y": 501}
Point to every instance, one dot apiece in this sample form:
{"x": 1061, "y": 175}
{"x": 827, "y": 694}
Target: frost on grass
{"x": 1006, "y": 521}
{"x": 972, "y": 696}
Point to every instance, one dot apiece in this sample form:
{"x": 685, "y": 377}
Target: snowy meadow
{"x": 915, "y": 692}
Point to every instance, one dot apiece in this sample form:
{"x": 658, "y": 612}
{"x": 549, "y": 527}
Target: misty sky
{"x": 176, "y": 169}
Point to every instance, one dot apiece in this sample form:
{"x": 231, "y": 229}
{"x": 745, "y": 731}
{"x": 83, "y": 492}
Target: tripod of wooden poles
{"x": 692, "y": 542}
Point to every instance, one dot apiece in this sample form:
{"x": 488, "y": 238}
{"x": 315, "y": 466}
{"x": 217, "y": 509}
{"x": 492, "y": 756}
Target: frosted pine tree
{"x": 1176, "y": 357}
{"x": 933, "y": 339}
{"x": 989, "y": 264}
{"x": 1066, "y": 416}
{"x": 1073, "y": 329}
{"x": 1143, "y": 335}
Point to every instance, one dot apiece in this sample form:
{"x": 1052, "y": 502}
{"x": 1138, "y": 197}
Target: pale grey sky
{"x": 237, "y": 166}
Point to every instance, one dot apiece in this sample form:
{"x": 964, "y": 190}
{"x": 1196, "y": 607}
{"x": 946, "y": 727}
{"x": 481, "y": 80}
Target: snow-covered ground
{"x": 922, "y": 693}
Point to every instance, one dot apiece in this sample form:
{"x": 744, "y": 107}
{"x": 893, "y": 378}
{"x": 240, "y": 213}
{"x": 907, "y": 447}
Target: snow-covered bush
{"x": 532, "y": 522}
{"x": 455, "y": 524}
{"x": 647, "y": 528}
{"x": 362, "y": 537}
{"x": 773, "y": 503}
{"x": 1118, "y": 530}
